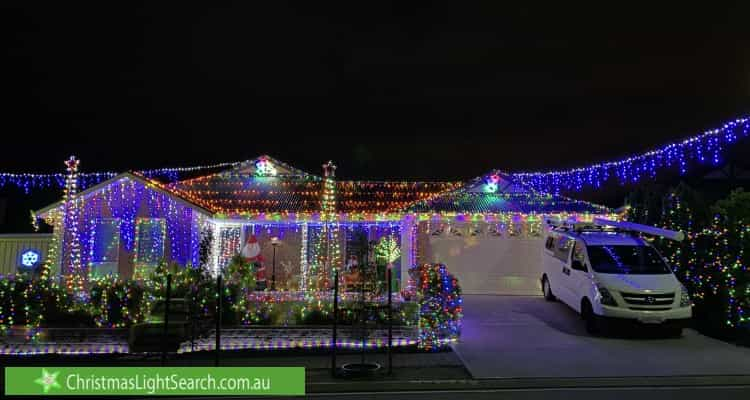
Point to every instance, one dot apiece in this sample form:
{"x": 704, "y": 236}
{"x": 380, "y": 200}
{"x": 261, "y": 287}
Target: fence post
{"x": 390, "y": 321}
{"x": 193, "y": 313}
{"x": 165, "y": 333}
{"x": 218, "y": 319}
{"x": 335, "y": 320}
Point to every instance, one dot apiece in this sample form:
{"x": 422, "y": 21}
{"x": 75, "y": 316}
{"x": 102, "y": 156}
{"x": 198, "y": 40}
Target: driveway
{"x": 527, "y": 337}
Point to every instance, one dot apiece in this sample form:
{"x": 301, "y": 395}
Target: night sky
{"x": 414, "y": 90}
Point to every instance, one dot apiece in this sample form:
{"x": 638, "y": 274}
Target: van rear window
{"x": 626, "y": 260}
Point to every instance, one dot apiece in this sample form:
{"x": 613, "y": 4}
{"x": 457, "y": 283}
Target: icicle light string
{"x": 28, "y": 181}
{"x": 706, "y": 148}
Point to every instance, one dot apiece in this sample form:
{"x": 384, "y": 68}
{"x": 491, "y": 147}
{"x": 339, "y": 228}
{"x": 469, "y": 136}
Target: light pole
{"x": 274, "y": 242}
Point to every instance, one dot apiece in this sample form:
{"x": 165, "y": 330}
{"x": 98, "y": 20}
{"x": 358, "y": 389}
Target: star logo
{"x": 48, "y": 380}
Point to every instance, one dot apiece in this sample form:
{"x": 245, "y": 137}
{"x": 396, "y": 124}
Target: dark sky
{"x": 412, "y": 90}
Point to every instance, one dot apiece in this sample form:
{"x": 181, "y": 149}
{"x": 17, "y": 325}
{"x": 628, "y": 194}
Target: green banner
{"x": 156, "y": 381}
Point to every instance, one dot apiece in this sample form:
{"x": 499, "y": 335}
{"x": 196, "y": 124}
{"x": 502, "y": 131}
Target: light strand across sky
{"x": 707, "y": 148}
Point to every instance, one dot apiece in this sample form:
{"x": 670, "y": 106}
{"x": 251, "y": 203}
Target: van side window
{"x": 578, "y": 253}
{"x": 562, "y": 248}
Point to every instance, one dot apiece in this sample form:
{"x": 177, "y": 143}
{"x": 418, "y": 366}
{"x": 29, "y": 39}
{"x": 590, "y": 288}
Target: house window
{"x": 105, "y": 247}
{"x": 150, "y": 238}
{"x": 230, "y": 244}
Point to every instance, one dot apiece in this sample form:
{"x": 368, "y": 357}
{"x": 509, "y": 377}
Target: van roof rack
{"x": 572, "y": 224}
{"x": 605, "y": 225}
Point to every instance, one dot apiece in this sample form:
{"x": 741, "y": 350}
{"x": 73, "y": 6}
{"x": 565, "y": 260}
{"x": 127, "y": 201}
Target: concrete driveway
{"x": 527, "y": 337}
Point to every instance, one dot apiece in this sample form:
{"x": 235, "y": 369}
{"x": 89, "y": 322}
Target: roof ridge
{"x": 144, "y": 181}
{"x": 273, "y": 160}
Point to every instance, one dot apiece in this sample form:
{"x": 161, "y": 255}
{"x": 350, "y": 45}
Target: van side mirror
{"x": 578, "y": 266}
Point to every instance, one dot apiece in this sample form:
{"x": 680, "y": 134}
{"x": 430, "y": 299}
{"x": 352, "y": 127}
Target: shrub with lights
{"x": 440, "y": 310}
{"x": 713, "y": 260}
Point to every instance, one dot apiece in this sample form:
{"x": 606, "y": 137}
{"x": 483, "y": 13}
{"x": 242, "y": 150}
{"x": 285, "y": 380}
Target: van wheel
{"x": 547, "y": 290}
{"x": 589, "y": 318}
{"x": 673, "y": 332}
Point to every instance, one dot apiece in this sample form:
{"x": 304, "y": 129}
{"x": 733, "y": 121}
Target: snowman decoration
{"x": 251, "y": 254}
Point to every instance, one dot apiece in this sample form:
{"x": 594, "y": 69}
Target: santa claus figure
{"x": 251, "y": 253}
{"x": 351, "y": 264}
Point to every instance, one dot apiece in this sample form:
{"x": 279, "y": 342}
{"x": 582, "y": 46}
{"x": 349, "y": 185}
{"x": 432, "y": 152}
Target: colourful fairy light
{"x": 440, "y": 306}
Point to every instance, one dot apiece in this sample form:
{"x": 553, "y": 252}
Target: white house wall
{"x": 12, "y": 246}
{"x": 487, "y": 264}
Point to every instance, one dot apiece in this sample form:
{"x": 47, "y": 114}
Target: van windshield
{"x": 626, "y": 260}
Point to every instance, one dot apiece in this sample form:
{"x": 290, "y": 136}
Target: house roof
{"x": 150, "y": 183}
{"x": 477, "y": 203}
{"x": 244, "y": 189}
{"x": 371, "y": 196}
{"x": 498, "y": 192}
{"x": 235, "y": 192}
{"x": 266, "y": 185}
{"x": 276, "y": 168}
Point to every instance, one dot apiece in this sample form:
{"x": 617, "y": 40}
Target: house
{"x": 487, "y": 230}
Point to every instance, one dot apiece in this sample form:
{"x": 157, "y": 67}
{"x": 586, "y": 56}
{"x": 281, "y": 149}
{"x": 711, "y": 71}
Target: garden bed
{"x": 113, "y": 341}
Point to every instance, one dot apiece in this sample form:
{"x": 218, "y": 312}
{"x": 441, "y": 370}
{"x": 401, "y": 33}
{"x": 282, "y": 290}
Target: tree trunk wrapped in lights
{"x": 327, "y": 247}
{"x": 387, "y": 251}
{"x": 75, "y": 274}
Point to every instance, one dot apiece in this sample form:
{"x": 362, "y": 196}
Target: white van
{"x": 610, "y": 275}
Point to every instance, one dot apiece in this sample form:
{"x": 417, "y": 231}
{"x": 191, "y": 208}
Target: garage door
{"x": 490, "y": 265}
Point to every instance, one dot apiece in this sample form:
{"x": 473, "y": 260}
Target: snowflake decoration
{"x": 264, "y": 167}
{"x": 30, "y": 258}
{"x": 491, "y": 183}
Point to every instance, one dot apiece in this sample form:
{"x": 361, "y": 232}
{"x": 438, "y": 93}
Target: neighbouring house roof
{"x": 497, "y": 192}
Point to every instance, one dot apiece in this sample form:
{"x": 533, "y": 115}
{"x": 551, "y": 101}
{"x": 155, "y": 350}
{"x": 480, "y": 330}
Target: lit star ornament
{"x": 48, "y": 380}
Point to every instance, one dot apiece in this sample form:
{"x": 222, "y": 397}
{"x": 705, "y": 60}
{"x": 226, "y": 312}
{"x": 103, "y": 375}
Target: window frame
{"x": 140, "y": 265}
{"x": 112, "y": 264}
{"x": 562, "y": 253}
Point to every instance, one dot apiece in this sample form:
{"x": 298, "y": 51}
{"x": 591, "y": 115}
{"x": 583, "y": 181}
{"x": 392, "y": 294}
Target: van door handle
{"x": 566, "y": 271}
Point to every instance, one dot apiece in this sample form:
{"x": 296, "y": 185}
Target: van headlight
{"x": 605, "y": 297}
{"x": 684, "y": 296}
